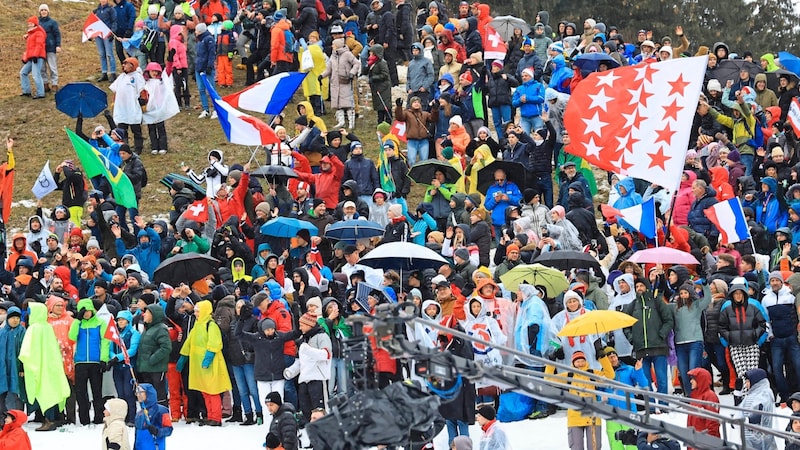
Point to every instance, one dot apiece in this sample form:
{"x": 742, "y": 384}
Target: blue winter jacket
{"x": 534, "y": 98}
{"x": 108, "y": 15}
{"x": 148, "y": 254}
{"x": 562, "y": 75}
{"x": 130, "y": 337}
{"x": 498, "y": 208}
{"x": 152, "y": 414}
{"x": 769, "y": 211}
{"x": 626, "y": 374}
{"x": 206, "y": 51}
{"x": 10, "y": 344}
{"x": 53, "y": 38}
{"x": 126, "y": 16}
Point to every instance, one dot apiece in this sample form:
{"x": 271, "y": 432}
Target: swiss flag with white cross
{"x": 636, "y": 120}
{"x": 197, "y": 211}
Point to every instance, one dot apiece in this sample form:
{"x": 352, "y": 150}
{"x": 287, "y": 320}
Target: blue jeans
{"x": 498, "y": 232}
{"x": 132, "y": 212}
{"x": 123, "y": 382}
{"x": 500, "y": 115}
{"x": 747, "y": 160}
{"x": 456, "y": 428}
{"x": 690, "y": 356}
{"x": 785, "y": 350}
{"x": 247, "y": 386}
{"x": 34, "y": 68}
{"x": 290, "y": 387}
{"x": 545, "y": 184}
{"x": 417, "y": 150}
{"x": 659, "y": 364}
{"x": 338, "y": 377}
{"x": 105, "y": 48}
{"x": 211, "y": 76}
{"x": 532, "y": 123}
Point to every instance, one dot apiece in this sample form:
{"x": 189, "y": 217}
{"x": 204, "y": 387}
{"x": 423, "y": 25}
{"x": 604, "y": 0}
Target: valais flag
{"x": 493, "y": 45}
{"x": 794, "y": 116}
{"x": 94, "y": 27}
{"x": 112, "y": 334}
{"x": 399, "y": 130}
{"x": 636, "y": 120}
{"x": 240, "y": 128}
{"x": 197, "y": 211}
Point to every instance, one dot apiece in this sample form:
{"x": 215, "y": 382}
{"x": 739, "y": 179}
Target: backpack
{"x": 291, "y": 42}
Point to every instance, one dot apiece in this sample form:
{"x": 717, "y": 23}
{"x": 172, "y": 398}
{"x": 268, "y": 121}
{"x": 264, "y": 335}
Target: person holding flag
{"x": 124, "y": 346}
{"x": 153, "y": 423}
{"x": 105, "y": 44}
{"x": 88, "y": 332}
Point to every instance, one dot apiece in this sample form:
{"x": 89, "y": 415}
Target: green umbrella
{"x": 536, "y": 275}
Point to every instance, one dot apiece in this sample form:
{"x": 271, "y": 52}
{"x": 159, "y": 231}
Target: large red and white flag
{"x": 636, "y": 120}
{"x": 94, "y": 27}
{"x": 493, "y": 45}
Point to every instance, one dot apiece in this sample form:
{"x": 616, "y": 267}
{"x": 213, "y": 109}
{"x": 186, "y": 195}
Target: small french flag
{"x": 729, "y": 218}
{"x": 641, "y": 217}
{"x": 240, "y": 128}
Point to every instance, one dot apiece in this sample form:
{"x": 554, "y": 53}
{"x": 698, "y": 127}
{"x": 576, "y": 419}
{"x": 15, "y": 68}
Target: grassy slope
{"x": 37, "y": 126}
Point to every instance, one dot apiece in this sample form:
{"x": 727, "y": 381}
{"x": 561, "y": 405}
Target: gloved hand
{"x": 112, "y": 445}
{"x": 230, "y": 55}
{"x": 208, "y": 359}
{"x": 599, "y": 348}
{"x": 162, "y": 10}
{"x": 558, "y": 354}
{"x": 399, "y": 102}
{"x": 246, "y": 310}
{"x": 152, "y": 429}
{"x": 191, "y": 12}
{"x": 181, "y": 363}
{"x": 104, "y": 366}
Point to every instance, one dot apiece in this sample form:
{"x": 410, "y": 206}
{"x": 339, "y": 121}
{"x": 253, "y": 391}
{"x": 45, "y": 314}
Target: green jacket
{"x": 655, "y": 320}
{"x": 198, "y": 244}
{"x": 155, "y": 345}
{"x": 89, "y": 335}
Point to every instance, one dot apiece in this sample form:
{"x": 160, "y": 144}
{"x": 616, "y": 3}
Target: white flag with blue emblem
{"x": 45, "y": 183}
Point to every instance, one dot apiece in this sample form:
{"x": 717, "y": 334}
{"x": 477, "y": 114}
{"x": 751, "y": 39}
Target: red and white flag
{"x": 399, "y": 130}
{"x": 636, "y": 120}
{"x": 794, "y": 116}
{"x": 197, "y": 211}
{"x": 493, "y": 45}
{"x": 94, "y": 27}
{"x": 112, "y": 334}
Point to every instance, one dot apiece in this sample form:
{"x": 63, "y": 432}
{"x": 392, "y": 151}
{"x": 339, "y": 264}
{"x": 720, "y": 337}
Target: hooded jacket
{"x": 35, "y": 40}
{"x": 447, "y": 41}
{"x": 114, "y": 429}
{"x": 13, "y": 436}
{"x": 759, "y": 406}
{"x": 91, "y": 346}
{"x": 420, "y": 71}
{"x": 703, "y": 392}
{"x": 10, "y": 345}
{"x": 655, "y": 320}
{"x": 269, "y": 361}
{"x": 155, "y": 345}
{"x": 533, "y": 91}
{"x": 742, "y": 324}
{"x": 769, "y": 209}
{"x": 203, "y": 341}
{"x": 148, "y": 254}
{"x": 154, "y": 414}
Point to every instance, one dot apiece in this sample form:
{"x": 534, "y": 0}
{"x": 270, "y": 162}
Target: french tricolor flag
{"x": 240, "y": 128}
{"x": 729, "y": 218}
{"x": 641, "y": 217}
{"x": 268, "y": 96}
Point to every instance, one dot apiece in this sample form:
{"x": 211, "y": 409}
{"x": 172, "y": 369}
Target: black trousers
{"x": 159, "y": 382}
{"x": 138, "y": 137}
{"x": 196, "y": 405}
{"x": 310, "y": 397}
{"x": 91, "y": 373}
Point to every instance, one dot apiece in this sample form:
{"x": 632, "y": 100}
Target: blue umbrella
{"x": 789, "y": 61}
{"x": 589, "y": 62}
{"x": 81, "y": 98}
{"x": 287, "y": 227}
{"x": 353, "y": 230}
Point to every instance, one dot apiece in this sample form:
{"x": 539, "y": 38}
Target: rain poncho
{"x": 45, "y": 380}
{"x": 620, "y": 342}
{"x": 206, "y": 337}
{"x": 573, "y": 344}
{"x": 759, "y": 404}
{"x": 484, "y": 327}
{"x": 533, "y": 331}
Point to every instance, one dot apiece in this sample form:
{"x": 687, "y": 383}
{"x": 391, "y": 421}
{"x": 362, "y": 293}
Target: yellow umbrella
{"x": 597, "y": 322}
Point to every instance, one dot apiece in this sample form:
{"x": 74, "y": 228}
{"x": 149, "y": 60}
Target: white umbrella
{"x": 403, "y": 256}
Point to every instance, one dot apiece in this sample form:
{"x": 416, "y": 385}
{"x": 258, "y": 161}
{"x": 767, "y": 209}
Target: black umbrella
{"x": 515, "y": 173}
{"x": 774, "y": 79}
{"x": 570, "y": 259}
{"x": 185, "y": 268}
{"x": 199, "y": 191}
{"x": 425, "y": 171}
{"x": 729, "y": 70}
{"x": 590, "y": 62}
{"x": 270, "y": 171}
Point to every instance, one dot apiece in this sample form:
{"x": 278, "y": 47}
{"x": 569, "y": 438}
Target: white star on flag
{"x": 600, "y": 100}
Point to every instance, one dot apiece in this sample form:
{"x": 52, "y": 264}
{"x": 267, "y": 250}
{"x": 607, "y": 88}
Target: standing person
{"x": 281, "y": 51}
{"x": 123, "y": 381}
{"x": 529, "y": 98}
{"x": 743, "y": 329}
{"x": 105, "y": 45}
{"x": 782, "y": 310}
{"x": 499, "y": 84}
{"x": 380, "y": 83}
{"x": 284, "y": 424}
{"x": 628, "y": 375}
{"x": 178, "y": 65}
{"x": 584, "y": 432}
{"x": 133, "y": 167}
{"x": 91, "y": 356}
{"x": 386, "y": 36}
{"x": 11, "y": 336}
{"x": 61, "y": 320}
{"x": 126, "y": 18}
{"x": 342, "y": 69}
{"x": 33, "y": 59}
{"x": 314, "y": 358}
{"x": 204, "y": 61}
{"x": 52, "y": 45}
{"x": 500, "y": 195}
{"x": 420, "y": 76}
{"x": 688, "y": 310}
{"x": 115, "y": 432}
{"x": 417, "y": 121}
{"x": 702, "y": 389}
{"x": 207, "y": 370}
{"x": 155, "y": 347}
{"x": 492, "y": 435}
{"x": 127, "y": 92}
{"x": 161, "y": 105}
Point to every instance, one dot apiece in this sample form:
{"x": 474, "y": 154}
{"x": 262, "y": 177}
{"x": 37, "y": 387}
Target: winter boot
{"x": 351, "y": 119}
{"x": 236, "y": 416}
{"x": 339, "y": 119}
{"x": 259, "y": 418}
{"x": 248, "y": 419}
{"x": 47, "y": 426}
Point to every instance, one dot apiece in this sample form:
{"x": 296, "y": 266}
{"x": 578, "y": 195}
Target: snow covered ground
{"x": 547, "y": 433}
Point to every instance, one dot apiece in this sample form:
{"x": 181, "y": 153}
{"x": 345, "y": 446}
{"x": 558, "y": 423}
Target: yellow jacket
{"x": 206, "y": 337}
{"x": 574, "y": 416}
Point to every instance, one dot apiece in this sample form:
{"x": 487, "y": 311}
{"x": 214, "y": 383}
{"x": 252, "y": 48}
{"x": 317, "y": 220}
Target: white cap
{"x": 44, "y": 6}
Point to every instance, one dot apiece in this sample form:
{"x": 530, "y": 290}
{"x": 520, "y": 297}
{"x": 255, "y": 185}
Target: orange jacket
{"x": 278, "y": 42}
{"x": 212, "y": 7}
{"x": 13, "y": 436}
{"x": 34, "y": 41}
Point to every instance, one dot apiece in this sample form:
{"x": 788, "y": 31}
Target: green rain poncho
{"x": 45, "y": 381}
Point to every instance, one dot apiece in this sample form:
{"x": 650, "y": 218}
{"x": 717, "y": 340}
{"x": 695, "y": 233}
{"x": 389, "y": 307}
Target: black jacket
{"x": 741, "y": 323}
{"x": 402, "y": 183}
{"x": 269, "y": 363}
{"x": 500, "y": 88}
{"x": 405, "y": 28}
{"x": 540, "y": 157}
{"x": 134, "y": 169}
{"x": 284, "y": 425}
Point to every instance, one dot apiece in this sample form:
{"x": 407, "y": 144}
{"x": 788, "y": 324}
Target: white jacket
{"x": 315, "y": 358}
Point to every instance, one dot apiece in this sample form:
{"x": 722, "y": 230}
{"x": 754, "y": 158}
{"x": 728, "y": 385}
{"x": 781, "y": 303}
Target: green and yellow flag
{"x": 583, "y": 167}
{"x": 94, "y": 164}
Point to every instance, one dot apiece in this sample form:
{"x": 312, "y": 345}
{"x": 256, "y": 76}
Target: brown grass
{"x": 37, "y": 127}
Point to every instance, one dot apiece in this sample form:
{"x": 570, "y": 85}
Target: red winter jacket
{"x": 327, "y": 183}
{"x": 703, "y": 392}
{"x": 35, "y": 41}
{"x": 283, "y": 322}
{"x": 13, "y": 437}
